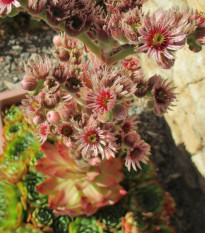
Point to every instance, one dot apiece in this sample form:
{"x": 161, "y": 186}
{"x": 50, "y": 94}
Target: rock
{"x": 187, "y": 118}
{"x": 15, "y": 79}
{"x": 197, "y": 4}
{"x": 11, "y": 42}
{"x": 199, "y": 160}
{"x": 17, "y": 48}
{"x": 25, "y": 55}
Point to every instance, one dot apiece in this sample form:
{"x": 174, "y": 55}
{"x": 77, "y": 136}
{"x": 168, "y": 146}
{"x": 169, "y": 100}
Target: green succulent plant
{"x": 15, "y": 148}
{"x": 61, "y": 224}
{"x": 13, "y": 114}
{"x": 15, "y": 129}
{"x": 27, "y": 228}
{"x": 110, "y": 217}
{"x": 85, "y": 225}
{"x": 11, "y": 209}
{"x": 42, "y": 217}
{"x": 13, "y": 170}
{"x": 149, "y": 196}
{"x": 35, "y": 198}
{"x": 35, "y": 156}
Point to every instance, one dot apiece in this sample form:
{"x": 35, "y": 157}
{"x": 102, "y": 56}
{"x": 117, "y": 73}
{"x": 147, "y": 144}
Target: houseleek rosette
{"x": 78, "y": 188}
{"x": 61, "y": 224}
{"x": 16, "y": 148}
{"x": 14, "y": 129}
{"x": 109, "y": 217}
{"x": 129, "y": 225}
{"x": 13, "y": 170}
{"x": 35, "y": 198}
{"x": 13, "y": 114}
{"x": 85, "y": 225}
{"x": 11, "y": 209}
{"x": 27, "y": 228}
{"x": 42, "y": 217}
{"x": 149, "y": 197}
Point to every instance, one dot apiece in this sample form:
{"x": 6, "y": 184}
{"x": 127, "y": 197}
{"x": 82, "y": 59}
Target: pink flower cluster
{"x": 119, "y": 23}
{"x": 87, "y": 105}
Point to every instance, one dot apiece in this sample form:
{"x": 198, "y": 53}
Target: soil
{"x": 176, "y": 172}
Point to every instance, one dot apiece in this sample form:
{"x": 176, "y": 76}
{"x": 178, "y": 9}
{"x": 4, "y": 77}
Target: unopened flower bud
{"x": 51, "y": 100}
{"x": 38, "y": 118}
{"x": 65, "y": 112}
{"x": 57, "y": 41}
{"x": 28, "y": 83}
{"x": 41, "y": 95}
{"x": 62, "y": 54}
{"x": 141, "y": 87}
{"x": 131, "y": 138}
{"x": 36, "y": 7}
{"x": 119, "y": 112}
{"x": 60, "y": 73}
{"x": 53, "y": 117}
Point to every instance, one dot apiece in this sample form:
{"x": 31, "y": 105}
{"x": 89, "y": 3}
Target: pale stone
{"x": 188, "y": 74}
{"x": 199, "y": 160}
{"x": 152, "y": 5}
{"x": 197, "y": 4}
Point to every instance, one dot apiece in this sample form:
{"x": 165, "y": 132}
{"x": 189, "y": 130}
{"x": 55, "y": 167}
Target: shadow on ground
{"x": 177, "y": 174}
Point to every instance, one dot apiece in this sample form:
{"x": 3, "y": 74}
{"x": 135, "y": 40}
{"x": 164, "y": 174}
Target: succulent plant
{"x": 15, "y": 148}
{"x": 13, "y": 114}
{"x": 129, "y": 225}
{"x": 109, "y": 217}
{"x": 78, "y": 188}
{"x": 42, "y": 217}
{"x": 61, "y": 224}
{"x": 13, "y": 129}
{"x": 35, "y": 156}
{"x": 12, "y": 170}
{"x": 149, "y": 197}
{"x": 85, "y": 225}
{"x": 27, "y": 228}
{"x": 11, "y": 211}
{"x": 33, "y": 196}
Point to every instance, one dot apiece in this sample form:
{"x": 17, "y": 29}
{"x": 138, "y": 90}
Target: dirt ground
{"x": 177, "y": 174}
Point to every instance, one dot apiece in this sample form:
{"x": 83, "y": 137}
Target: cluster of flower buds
{"x": 87, "y": 105}
{"x": 160, "y": 33}
{"x": 75, "y": 15}
{"x": 109, "y": 24}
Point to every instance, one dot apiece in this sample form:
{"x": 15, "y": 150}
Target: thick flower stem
{"x": 124, "y": 52}
{"x": 78, "y": 100}
{"x": 90, "y": 44}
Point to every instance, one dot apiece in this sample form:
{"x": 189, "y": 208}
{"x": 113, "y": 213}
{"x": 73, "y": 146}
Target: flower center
{"x": 161, "y": 96}
{"x": 93, "y": 138}
{"x": 158, "y": 39}
{"x": 6, "y": 2}
{"x": 34, "y": 105}
{"x": 140, "y": 86}
{"x": 136, "y": 152}
{"x": 73, "y": 84}
{"x": 67, "y": 130}
{"x": 135, "y": 26}
{"x": 51, "y": 84}
{"x": 104, "y": 99}
{"x": 126, "y": 127}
